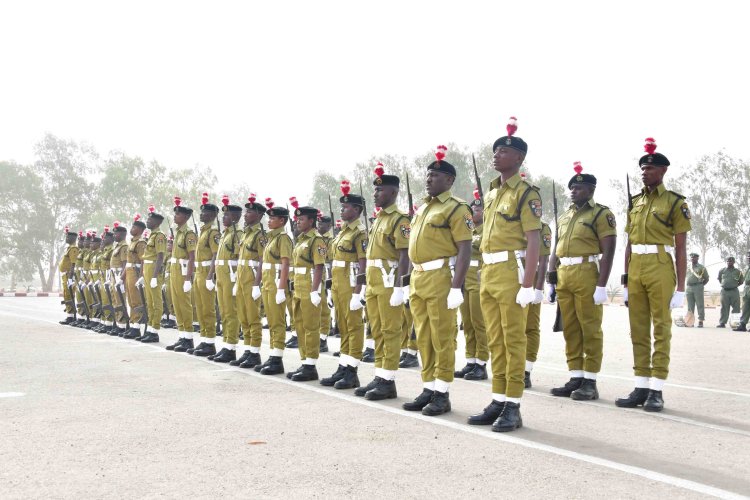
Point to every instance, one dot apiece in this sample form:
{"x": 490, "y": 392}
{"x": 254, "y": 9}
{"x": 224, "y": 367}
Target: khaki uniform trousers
{"x": 434, "y": 322}
{"x": 275, "y": 313}
{"x": 181, "y": 301}
{"x": 505, "y": 321}
{"x": 230, "y": 325}
{"x": 651, "y": 283}
{"x": 248, "y": 309}
{"x": 133, "y": 296}
{"x": 408, "y": 335}
{"x": 325, "y": 311}
{"x": 582, "y": 319}
{"x": 351, "y": 326}
{"x": 385, "y": 321}
{"x": 474, "y": 329}
{"x": 205, "y": 303}
{"x": 154, "y": 304}
{"x": 67, "y": 297}
{"x": 306, "y": 319}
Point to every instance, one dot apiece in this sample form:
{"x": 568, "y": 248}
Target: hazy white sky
{"x": 266, "y": 92}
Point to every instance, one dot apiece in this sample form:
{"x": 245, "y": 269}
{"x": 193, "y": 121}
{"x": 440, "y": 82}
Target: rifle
{"x": 195, "y": 226}
{"x": 479, "y": 182}
{"x": 218, "y": 314}
{"x": 84, "y": 304}
{"x": 123, "y": 308}
{"x": 330, "y": 209}
{"x": 558, "y": 325}
{"x": 144, "y": 306}
{"x": 110, "y": 308}
{"x": 72, "y": 301}
{"x": 291, "y": 225}
{"x": 630, "y": 197}
{"x": 97, "y": 306}
{"x": 409, "y": 198}
{"x": 364, "y": 206}
{"x": 164, "y": 301}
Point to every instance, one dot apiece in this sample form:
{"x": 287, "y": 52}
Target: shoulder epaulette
{"x": 677, "y": 195}
{"x": 602, "y": 206}
{"x": 535, "y": 188}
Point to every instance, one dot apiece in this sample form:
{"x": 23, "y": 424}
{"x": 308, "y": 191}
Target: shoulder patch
{"x": 536, "y": 207}
{"x": 611, "y": 220}
{"x": 263, "y": 240}
{"x": 405, "y": 230}
{"x": 364, "y": 244}
{"x": 685, "y": 210}
{"x": 469, "y": 222}
{"x": 322, "y": 250}
{"x": 217, "y": 238}
{"x": 547, "y": 239}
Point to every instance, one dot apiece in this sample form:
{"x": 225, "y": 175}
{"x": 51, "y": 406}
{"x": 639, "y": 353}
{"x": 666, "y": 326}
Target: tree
{"x": 733, "y": 232}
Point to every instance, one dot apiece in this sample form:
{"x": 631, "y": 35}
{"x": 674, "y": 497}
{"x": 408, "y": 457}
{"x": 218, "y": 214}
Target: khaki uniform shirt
{"x": 348, "y": 246}
{"x": 471, "y": 283}
{"x": 119, "y": 256}
{"x": 69, "y": 258}
{"x": 656, "y": 217}
{"x": 309, "y": 251}
{"x": 185, "y": 241}
{"x": 156, "y": 244}
{"x": 389, "y": 234}
{"x": 580, "y": 229}
{"x": 251, "y": 248}
{"x": 440, "y": 223}
{"x": 279, "y": 247}
{"x": 511, "y": 209}
{"x": 208, "y": 243}
{"x": 229, "y": 245}
{"x": 104, "y": 260}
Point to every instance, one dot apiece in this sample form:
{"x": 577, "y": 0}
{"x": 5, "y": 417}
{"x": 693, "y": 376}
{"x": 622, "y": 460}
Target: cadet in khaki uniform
{"x": 67, "y": 275}
{"x": 116, "y": 268}
{"x": 89, "y": 272}
{"x": 348, "y": 259}
{"x": 132, "y": 274}
{"x": 697, "y": 278}
{"x": 226, "y": 278}
{"x": 742, "y": 327}
{"x": 204, "y": 287}
{"x": 153, "y": 279}
{"x": 248, "y": 283}
{"x": 533, "y": 318}
{"x": 730, "y": 278}
{"x": 181, "y": 271}
{"x": 584, "y": 231}
{"x": 308, "y": 260}
{"x": 108, "y": 319}
{"x": 387, "y": 261}
{"x": 477, "y": 352}
{"x": 168, "y": 319}
{"x": 325, "y": 232}
{"x": 78, "y": 276}
{"x": 277, "y": 256}
{"x": 657, "y": 220}
{"x": 510, "y": 256}
{"x": 440, "y": 250}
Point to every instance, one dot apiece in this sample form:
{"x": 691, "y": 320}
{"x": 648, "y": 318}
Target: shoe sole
{"x": 652, "y": 410}
{"x": 507, "y": 429}
{"x": 434, "y": 414}
{"x": 629, "y": 405}
{"x": 560, "y": 395}
{"x": 381, "y": 398}
{"x": 580, "y": 398}
{"x": 480, "y": 423}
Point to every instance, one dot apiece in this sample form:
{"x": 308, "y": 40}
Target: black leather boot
{"x": 570, "y": 386}
{"x": 420, "y": 401}
{"x": 292, "y": 343}
{"x": 241, "y": 359}
{"x": 186, "y": 346}
{"x": 337, "y": 375}
{"x": 171, "y": 347}
{"x": 488, "y": 415}
{"x": 368, "y": 356}
{"x": 587, "y": 391}
{"x": 478, "y": 373}
{"x": 225, "y": 356}
{"x": 252, "y": 360}
{"x": 510, "y": 419}
{"x": 410, "y": 361}
{"x": 323, "y": 345}
{"x": 527, "y": 380}
{"x": 306, "y": 374}
{"x": 191, "y": 350}
{"x": 206, "y": 350}
{"x": 275, "y": 366}
{"x": 350, "y": 379}
{"x": 463, "y": 371}
{"x": 654, "y": 401}
{"x": 386, "y": 389}
{"x": 361, "y": 391}
{"x": 635, "y": 398}
{"x": 439, "y": 404}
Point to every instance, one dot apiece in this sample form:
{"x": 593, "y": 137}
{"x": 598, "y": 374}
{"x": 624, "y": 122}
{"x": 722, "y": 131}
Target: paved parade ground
{"x": 86, "y": 415}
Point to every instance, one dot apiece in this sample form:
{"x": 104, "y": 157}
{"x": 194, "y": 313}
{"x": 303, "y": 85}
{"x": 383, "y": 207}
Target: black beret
{"x": 655, "y": 159}
{"x": 140, "y": 223}
{"x": 386, "y": 180}
{"x": 231, "y": 208}
{"x": 156, "y": 216}
{"x": 256, "y": 207}
{"x": 209, "y": 207}
{"x": 582, "y": 179}
{"x": 442, "y": 166}
{"x": 96, "y": 239}
{"x": 326, "y": 218}
{"x": 512, "y": 142}
{"x": 354, "y": 199}
{"x": 183, "y": 210}
{"x": 278, "y": 212}
{"x": 120, "y": 229}
{"x": 309, "y": 211}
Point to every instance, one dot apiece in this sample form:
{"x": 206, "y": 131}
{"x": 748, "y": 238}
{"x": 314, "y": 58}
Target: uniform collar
{"x": 660, "y": 190}
{"x": 355, "y": 224}
{"x": 389, "y": 209}
{"x": 442, "y": 197}
{"x": 182, "y": 228}
{"x": 589, "y": 203}
{"x": 134, "y": 239}
{"x": 311, "y": 233}
{"x": 329, "y": 234}
{"x": 278, "y": 230}
{"x": 512, "y": 182}
{"x": 207, "y": 225}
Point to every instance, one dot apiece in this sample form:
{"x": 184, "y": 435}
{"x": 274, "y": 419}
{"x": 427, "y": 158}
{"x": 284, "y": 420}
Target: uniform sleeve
{"x": 721, "y": 273}
{"x": 531, "y": 212}
{"x": 401, "y": 233}
{"x": 213, "y": 240}
{"x": 681, "y": 218}
{"x": 462, "y": 225}
{"x": 73, "y": 253}
{"x": 360, "y": 243}
{"x": 140, "y": 249}
{"x": 545, "y": 240}
{"x": 285, "y": 247}
{"x": 191, "y": 241}
{"x": 606, "y": 225}
{"x": 160, "y": 244}
{"x": 319, "y": 251}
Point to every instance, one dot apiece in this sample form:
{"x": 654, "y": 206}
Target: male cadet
{"x": 348, "y": 259}
{"x": 153, "y": 278}
{"x": 324, "y": 230}
{"x": 116, "y": 267}
{"x": 181, "y": 270}
{"x": 387, "y": 261}
{"x": 277, "y": 256}
{"x": 742, "y": 327}
{"x": 78, "y": 276}
{"x": 308, "y": 257}
{"x": 248, "y": 283}
{"x": 533, "y": 318}
{"x": 168, "y": 319}
{"x": 226, "y": 277}
{"x": 511, "y": 233}
{"x": 440, "y": 250}
{"x": 697, "y": 278}
{"x": 730, "y": 278}
{"x": 91, "y": 272}
{"x": 204, "y": 288}
{"x": 657, "y": 220}
{"x": 108, "y": 319}
{"x": 584, "y": 231}
{"x": 67, "y": 274}
{"x": 477, "y": 352}
{"x": 132, "y": 274}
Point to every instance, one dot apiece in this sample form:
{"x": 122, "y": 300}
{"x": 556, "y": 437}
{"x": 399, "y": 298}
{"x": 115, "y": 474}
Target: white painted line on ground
{"x": 11, "y": 394}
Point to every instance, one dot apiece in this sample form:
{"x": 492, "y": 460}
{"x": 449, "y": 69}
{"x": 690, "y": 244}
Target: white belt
{"x": 118, "y": 269}
{"x": 504, "y": 256}
{"x": 302, "y": 270}
{"x": 431, "y": 265}
{"x": 221, "y": 262}
{"x": 646, "y": 249}
{"x": 130, "y": 264}
{"x": 205, "y": 263}
{"x": 175, "y": 260}
{"x": 268, "y": 265}
{"x": 379, "y": 263}
{"x": 248, "y": 262}
{"x": 339, "y": 263}
{"x": 148, "y": 261}
{"x": 474, "y": 263}
{"x": 571, "y": 261}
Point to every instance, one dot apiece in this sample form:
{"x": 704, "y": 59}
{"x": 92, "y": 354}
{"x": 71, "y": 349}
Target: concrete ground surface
{"x": 86, "y": 415}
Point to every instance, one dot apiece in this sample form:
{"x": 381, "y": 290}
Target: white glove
{"x": 406, "y": 290}
{"x": 678, "y": 298}
{"x": 121, "y": 286}
{"x": 538, "y": 296}
{"x": 280, "y": 296}
{"x": 455, "y": 298}
{"x": 140, "y": 282}
{"x": 187, "y": 286}
{"x": 154, "y": 282}
{"x": 355, "y": 304}
{"x": 548, "y": 295}
{"x": 600, "y": 295}
{"x": 234, "y": 290}
{"x": 525, "y": 296}
{"x": 625, "y": 295}
{"x": 210, "y": 285}
{"x": 97, "y": 283}
{"x": 397, "y": 297}
{"x": 118, "y": 282}
{"x": 256, "y": 293}
{"x": 70, "y": 282}
{"x": 315, "y": 298}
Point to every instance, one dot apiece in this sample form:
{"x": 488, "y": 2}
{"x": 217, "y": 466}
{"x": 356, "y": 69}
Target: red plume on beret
{"x": 476, "y": 193}
{"x": 320, "y": 215}
{"x": 338, "y": 223}
{"x": 177, "y": 201}
{"x": 80, "y": 234}
{"x": 293, "y": 201}
{"x": 116, "y": 224}
{"x": 523, "y": 175}
{"x": 66, "y": 229}
{"x": 146, "y": 234}
{"x": 269, "y": 203}
{"x": 225, "y": 200}
{"x": 577, "y": 167}
{"x": 137, "y": 217}
{"x": 379, "y": 169}
{"x": 345, "y": 187}
{"x": 88, "y": 234}
{"x": 106, "y": 229}
{"x": 440, "y": 152}
{"x": 512, "y": 126}
{"x": 93, "y": 233}
{"x": 650, "y": 145}
{"x": 251, "y": 198}
{"x": 151, "y": 209}
{"x": 204, "y": 199}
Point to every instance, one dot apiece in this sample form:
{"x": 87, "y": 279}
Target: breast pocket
{"x": 436, "y": 221}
